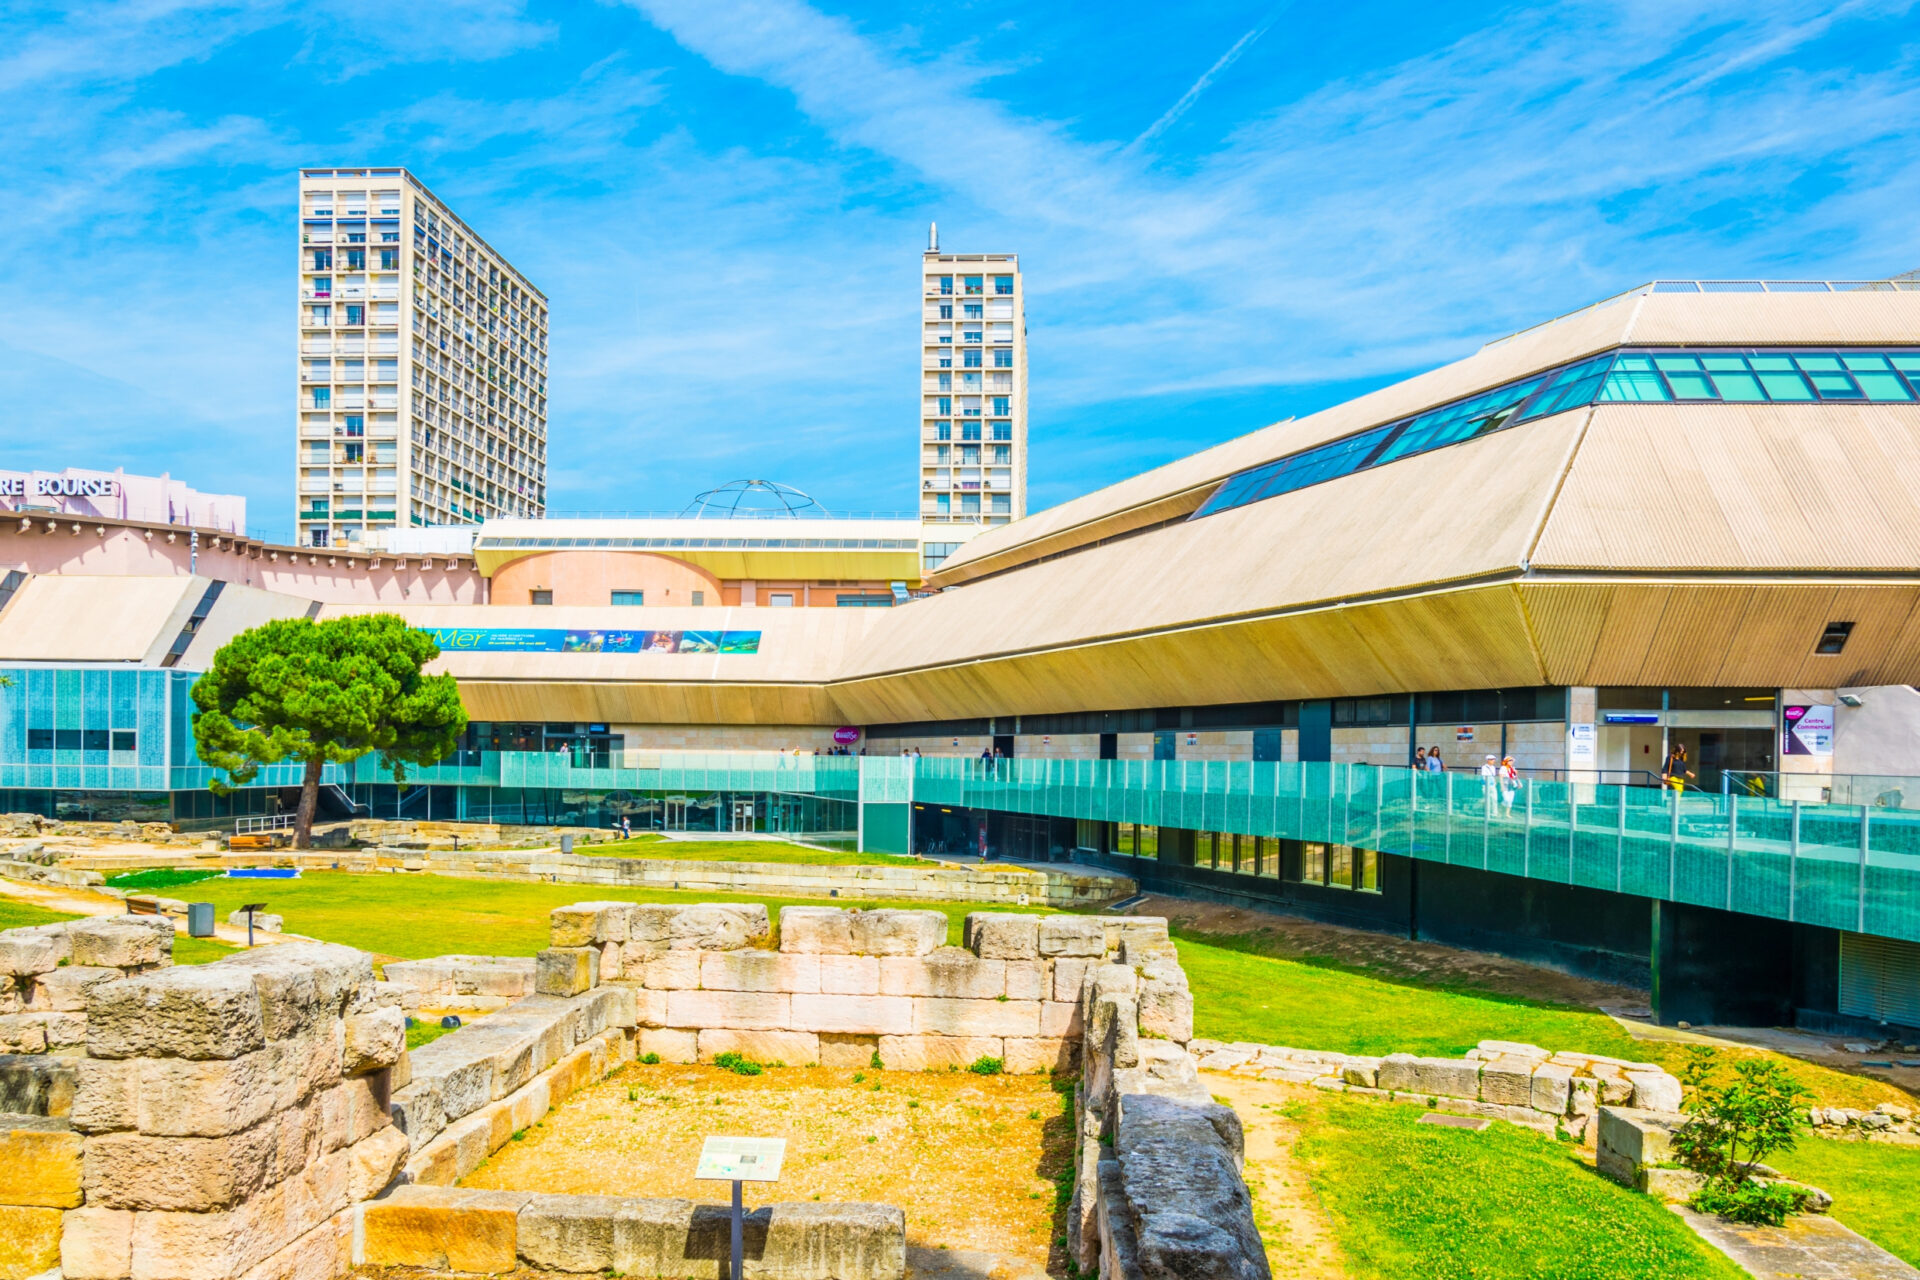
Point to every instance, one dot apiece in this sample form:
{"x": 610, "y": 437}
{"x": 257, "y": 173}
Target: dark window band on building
{"x": 1669, "y": 377}
{"x": 184, "y": 640}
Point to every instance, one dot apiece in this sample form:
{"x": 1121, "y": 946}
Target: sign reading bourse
{"x": 556, "y": 640}
{"x": 58, "y": 487}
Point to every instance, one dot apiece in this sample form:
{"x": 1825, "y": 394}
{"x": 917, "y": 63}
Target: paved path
{"x": 1809, "y": 1247}
{"x": 82, "y": 902}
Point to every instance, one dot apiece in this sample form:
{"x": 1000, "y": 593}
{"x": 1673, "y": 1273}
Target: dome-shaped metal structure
{"x": 754, "y": 500}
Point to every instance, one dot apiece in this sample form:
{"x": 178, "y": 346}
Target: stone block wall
{"x": 1522, "y": 1083}
{"x": 491, "y": 1232}
{"x": 846, "y": 985}
{"x": 47, "y": 971}
{"x": 463, "y": 983}
{"x": 1159, "y": 1193}
{"x": 216, "y": 1122}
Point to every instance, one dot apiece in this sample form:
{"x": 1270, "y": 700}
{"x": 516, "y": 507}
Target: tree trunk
{"x": 309, "y": 801}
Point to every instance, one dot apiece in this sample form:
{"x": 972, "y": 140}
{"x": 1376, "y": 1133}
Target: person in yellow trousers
{"x": 1675, "y": 773}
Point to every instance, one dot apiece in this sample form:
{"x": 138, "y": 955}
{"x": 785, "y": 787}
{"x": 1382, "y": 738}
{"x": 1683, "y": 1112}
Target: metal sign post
{"x": 739, "y": 1160}
{"x": 250, "y": 908}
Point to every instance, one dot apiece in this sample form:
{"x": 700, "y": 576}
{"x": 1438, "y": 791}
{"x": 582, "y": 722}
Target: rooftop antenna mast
{"x": 933, "y": 237}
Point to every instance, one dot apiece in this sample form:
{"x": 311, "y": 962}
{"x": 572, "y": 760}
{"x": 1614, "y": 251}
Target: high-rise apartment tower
{"x": 973, "y": 407}
{"x": 423, "y": 365}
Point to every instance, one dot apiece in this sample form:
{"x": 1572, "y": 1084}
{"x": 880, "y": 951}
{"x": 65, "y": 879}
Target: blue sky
{"x": 1227, "y": 213}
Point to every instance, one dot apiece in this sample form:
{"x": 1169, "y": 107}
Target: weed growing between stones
{"x": 985, "y": 1066}
{"x": 650, "y": 1059}
{"x": 739, "y": 1064}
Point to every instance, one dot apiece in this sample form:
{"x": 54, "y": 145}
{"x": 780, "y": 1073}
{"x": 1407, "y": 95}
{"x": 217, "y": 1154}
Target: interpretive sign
{"x": 741, "y": 1159}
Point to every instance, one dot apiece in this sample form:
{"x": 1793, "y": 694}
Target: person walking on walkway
{"x": 1433, "y": 760}
{"x": 1509, "y": 783}
{"x": 1674, "y": 773}
{"x": 1489, "y": 783}
{"x": 1420, "y": 760}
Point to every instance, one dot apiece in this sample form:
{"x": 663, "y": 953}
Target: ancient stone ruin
{"x": 259, "y": 1118}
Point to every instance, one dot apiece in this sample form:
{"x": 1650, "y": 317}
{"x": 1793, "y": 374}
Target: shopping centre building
{"x": 1685, "y": 517}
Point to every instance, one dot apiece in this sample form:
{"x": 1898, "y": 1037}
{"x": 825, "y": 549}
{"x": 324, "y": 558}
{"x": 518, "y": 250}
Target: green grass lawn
{"x": 414, "y": 916}
{"x": 1408, "y": 1199}
{"x": 1872, "y": 1185}
{"x": 737, "y": 851}
{"x": 426, "y": 1031}
{"x": 161, "y": 878}
{"x": 17, "y": 915}
{"x": 1310, "y": 1003}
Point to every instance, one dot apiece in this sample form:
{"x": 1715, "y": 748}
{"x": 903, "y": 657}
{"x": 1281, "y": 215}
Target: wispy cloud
{"x": 1186, "y": 100}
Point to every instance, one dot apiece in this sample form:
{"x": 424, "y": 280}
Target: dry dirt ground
{"x": 971, "y": 1159}
{"x": 1390, "y": 956}
{"x": 1300, "y": 1244}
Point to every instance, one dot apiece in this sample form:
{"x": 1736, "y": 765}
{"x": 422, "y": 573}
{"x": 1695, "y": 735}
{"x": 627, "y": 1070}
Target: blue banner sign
{"x": 554, "y": 640}
{"x": 1633, "y": 717}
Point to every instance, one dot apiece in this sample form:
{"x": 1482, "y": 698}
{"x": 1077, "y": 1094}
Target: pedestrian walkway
{"x": 1808, "y": 1247}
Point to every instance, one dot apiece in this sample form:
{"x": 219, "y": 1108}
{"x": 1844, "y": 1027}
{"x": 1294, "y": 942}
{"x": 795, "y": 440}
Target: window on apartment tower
{"x": 389, "y": 259}
{"x": 323, "y": 259}
{"x": 1003, "y": 285}
{"x": 1003, "y": 431}
{"x": 1002, "y": 404}
{"x": 1003, "y": 359}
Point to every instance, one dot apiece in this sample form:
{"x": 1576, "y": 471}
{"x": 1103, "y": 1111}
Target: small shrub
{"x": 1033, "y": 1115}
{"x": 985, "y": 1066}
{"x": 737, "y": 1063}
{"x": 859, "y": 1077}
{"x": 871, "y": 1138}
{"x": 875, "y": 1063}
{"x": 876, "y": 1086}
{"x": 912, "y": 1103}
{"x": 519, "y": 1135}
{"x": 1761, "y": 1203}
{"x": 650, "y": 1059}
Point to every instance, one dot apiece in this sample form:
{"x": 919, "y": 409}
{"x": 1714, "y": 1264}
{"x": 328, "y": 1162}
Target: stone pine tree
{"x": 316, "y": 692}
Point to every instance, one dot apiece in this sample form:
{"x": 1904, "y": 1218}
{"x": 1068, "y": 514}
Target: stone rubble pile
{"x": 1888, "y": 1120}
{"x": 1499, "y": 1079}
{"x": 47, "y": 971}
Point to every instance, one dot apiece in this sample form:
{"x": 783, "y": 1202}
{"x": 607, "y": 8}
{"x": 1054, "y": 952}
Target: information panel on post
{"x": 741, "y": 1159}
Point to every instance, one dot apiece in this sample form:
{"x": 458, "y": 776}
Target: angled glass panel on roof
{"x": 1741, "y": 376}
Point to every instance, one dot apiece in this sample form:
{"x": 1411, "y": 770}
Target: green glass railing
{"x": 1842, "y": 866}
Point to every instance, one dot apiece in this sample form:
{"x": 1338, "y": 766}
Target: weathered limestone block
{"x": 96, "y": 1244}
{"x": 1583, "y": 1098}
{"x": 1631, "y": 1140}
{"x": 1140, "y": 930}
{"x": 1443, "y": 1077}
{"x": 578, "y": 1234}
{"x": 29, "y": 1241}
{"x": 1069, "y": 974}
{"x": 195, "y": 1175}
{"x": 121, "y": 942}
{"x": 1060, "y": 1019}
{"x": 566, "y": 971}
{"x": 736, "y": 1010}
{"x": 893, "y": 932}
{"x": 937, "y": 1053}
{"x": 24, "y": 954}
{"x": 649, "y": 1007}
{"x": 671, "y": 1044}
{"x": 849, "y": 975}
{"x": 444, "y": 1228}
{"x": 39, "y": 1167}
{"x": 650, "y": 925}
{"x": 263, "y": 922}
{"x": 374, "y": 1039}
{"x": 1028, "y": 980}
{"x": 854, "y": 1051}
{"x": 1489, "y": 1049}
{"x": 230, "y": 1242}
{"x": 304, "y": 986}
{"x": 1508, "y": 1081}
{"x": 1166, "y": 1003}
{"x": 996, "y": 935}
{"x": 586, "y": 924}
{"x": 1654, "y": 1090}
{"x": 1083, "y": 936}
{"x": 816, "y": 930}
{"x": 1179, "y": 1179}
{"x": 817, "y": 1241}
{"x": 793, "y": 1048}
{"x": 717, "y": 926}
{"x": 760, "y": 971}
{"x": 941, "y": 1017}
{"x": 1041, "y": 1054}
{"x": 34, "y": 1084}
{"x": 65, "y": 990}
{"x": 1552, "y": 1089}
{"x": 199, "y": 1011}
{"x": 672, "y": 971}
{"x": 951, "y": 972}
{"x": 853, "y": 1015}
